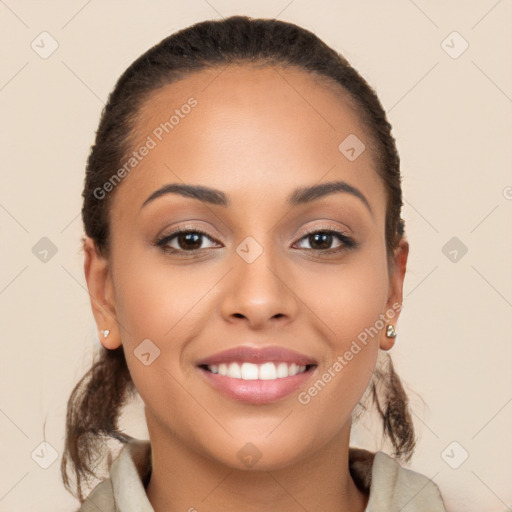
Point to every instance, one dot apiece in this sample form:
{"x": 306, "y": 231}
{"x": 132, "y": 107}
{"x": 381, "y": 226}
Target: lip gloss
{"x": 257, "y": 391}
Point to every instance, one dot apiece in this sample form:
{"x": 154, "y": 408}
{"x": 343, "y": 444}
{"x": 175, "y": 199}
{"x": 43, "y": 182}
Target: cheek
{"x": 167, "y": 305}
{"x": 348, "y": 304}
{"x": 153, "y": 299}
{"x": 348, "y": 298}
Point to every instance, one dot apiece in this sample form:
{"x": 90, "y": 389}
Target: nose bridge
{"x": 257, "y": 290}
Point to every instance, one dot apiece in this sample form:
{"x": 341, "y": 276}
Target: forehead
{"x": 253, "y": 92}
{"x": 257, "y": 129}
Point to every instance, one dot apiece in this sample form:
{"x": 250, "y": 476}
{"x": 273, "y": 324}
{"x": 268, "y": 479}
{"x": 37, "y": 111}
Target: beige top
{"x": 391, "y": 487}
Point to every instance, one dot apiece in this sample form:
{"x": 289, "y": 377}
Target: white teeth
{"x": 267, "y": 371}
{"x": 234, "y": 371}
{"x": 282, "y": 370}
{"x": 251, "y": 371}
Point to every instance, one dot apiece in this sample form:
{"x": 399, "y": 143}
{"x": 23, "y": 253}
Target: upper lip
{"x": 245, "y": 353}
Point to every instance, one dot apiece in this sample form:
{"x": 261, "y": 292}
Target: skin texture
{"x": 256, "y": 134}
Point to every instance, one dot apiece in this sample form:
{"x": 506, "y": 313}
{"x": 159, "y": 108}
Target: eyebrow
{"x": 297, "y": 197}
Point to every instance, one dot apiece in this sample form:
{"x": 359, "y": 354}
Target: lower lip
{"x": 257, "y": 391}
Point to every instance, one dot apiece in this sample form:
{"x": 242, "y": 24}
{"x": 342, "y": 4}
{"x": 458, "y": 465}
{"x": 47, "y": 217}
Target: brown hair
{"x": 97, "y": 400}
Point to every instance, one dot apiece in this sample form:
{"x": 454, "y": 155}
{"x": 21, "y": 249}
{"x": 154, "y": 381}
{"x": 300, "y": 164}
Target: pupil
{"x": 324, "y": 238}
{"x": 184, "y": 239}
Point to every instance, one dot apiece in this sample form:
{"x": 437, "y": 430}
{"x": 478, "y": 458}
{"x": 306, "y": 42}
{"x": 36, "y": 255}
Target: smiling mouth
{"x": 249, "y": 371}
{"x": 258, "y": 384}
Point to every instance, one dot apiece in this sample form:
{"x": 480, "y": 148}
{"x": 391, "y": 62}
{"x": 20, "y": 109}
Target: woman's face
{"x": 258, "y": 278}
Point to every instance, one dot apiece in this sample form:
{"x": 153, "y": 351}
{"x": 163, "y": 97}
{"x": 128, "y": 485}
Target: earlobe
{"x": 390, "y": 333}
{"x": 99, "y": 284}
{"x": 395, "y": 297}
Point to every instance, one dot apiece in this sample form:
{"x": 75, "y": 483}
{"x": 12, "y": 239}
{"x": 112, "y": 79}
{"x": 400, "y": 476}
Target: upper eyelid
{"x": 338, "y": 230}
{"x": 310, "y": 230}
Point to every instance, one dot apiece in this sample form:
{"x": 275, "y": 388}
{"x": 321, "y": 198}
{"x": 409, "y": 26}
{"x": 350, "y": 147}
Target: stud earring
{"x": 390, "y": 331}
{"x": 105, "y": 332}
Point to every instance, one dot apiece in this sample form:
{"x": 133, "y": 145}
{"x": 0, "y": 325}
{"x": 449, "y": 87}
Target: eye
{"x": 322, "y": 240}
{"x": 188, "y": 240}
{"x": 184, "y": 240}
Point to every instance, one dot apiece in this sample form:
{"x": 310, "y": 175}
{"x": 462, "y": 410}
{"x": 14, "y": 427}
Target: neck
{"x": 184, "y": 480}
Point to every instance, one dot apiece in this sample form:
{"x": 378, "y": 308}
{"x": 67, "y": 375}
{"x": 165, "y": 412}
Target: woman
{"x": 245, "y": 258}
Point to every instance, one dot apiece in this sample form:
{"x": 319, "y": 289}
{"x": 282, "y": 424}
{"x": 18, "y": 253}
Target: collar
{"x": 389, "y": 485}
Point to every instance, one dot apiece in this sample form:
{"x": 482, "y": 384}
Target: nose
{"x": 259, "y": 293}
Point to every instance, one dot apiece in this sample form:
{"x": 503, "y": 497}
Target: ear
{"x": 101, "y": 293}
{"x": 397, "y": 270}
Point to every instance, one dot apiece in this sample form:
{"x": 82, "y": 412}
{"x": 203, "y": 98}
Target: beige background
{"x": 452, "y": 120}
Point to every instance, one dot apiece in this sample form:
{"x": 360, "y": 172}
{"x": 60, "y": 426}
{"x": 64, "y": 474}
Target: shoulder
{"x": 394, "y": 487}
{"x": 101, "y": 498}
{"x": 124, "y": 489}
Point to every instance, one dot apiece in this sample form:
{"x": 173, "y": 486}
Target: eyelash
{"x": 347, "y": 242}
